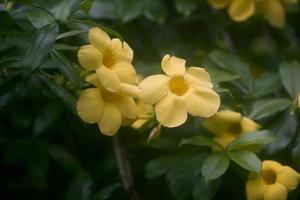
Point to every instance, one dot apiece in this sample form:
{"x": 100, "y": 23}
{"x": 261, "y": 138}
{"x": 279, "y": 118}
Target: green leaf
{"x": 264, "y": 108}
{"x": 40, "y": 18}
{"x": 86, "y": 5}
{"x": 80, "y": 187}
{"x": 205, "y": 190}
{"x": 219, "y": 76}
{"x": 246, "y": 159}
{"x": 106, "y": 192}
{"x": 186, "y": 7}
{"x": 70, "y": 33}
{"x": 60, "y": 92}
{"x": 7, "y": 22}
{"x": 155, "y": 10}
{"x": 267, "y": 83}
{"x": 131, "y": 9}
{"x": 43, "y": 41}
{"x": 159, "y": 166}
{"x": 289, "y": 74}
{"x": 296, "y": 150}
{"x": 66, "y": 68}
{"x": 259, "y": 137}
{"x": 233, "y": 64}
{"x": 284, "y": 130}
{"x": 214, "y": 166}
{"x": 201, "y": 141}
{"x": 62, "y": 9}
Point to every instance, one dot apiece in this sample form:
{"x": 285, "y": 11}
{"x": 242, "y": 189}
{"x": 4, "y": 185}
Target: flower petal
{"x": 89, "y": 57}
{"x": 202, "y": 102}
{"x": 275, "y": 192}
{"x": 173, "y": 66}
{"x": 153, "y": 88}
{"x": 255, "y": 188}
{"x": 90, "y": 105}
{"x": 270, "y": 164}
{"x": 93, "y": 79}
{"x": 197, "y": 76}
{"x": 248, "y": 125}
{"x": 111, "y": 119}
{"x": 221, "y": 121}
{"x": 126, "y": 72}
{"x": 99, "y": 39}
{"x": 240, "y": 10}
{"x": 171, "y": 111}
{"x": 288, "y": 177}
{"x": 129, "y": 90}
{"x": 273, "y": 12}
{"x": 219, "y": 4}
{"x": 122, "y": 51}
{"x": 126, "y": 106}
{"x": 108, "y": 79}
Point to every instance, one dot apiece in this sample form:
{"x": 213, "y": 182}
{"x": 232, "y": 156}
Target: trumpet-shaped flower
{"x": 179, "y": 92}
{"x": 241, "y": 10}
{"x": 109, "y": 58}
{"x": 228, "y": 125}
{"x": 273, "y": 183}
{"x": 106, "y": 108}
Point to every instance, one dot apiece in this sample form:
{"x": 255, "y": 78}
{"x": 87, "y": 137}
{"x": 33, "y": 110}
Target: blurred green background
{"x": 47, "y": 152}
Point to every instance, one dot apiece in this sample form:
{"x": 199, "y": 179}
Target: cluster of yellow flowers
{"x": 116, "y": 98}
{"x": 240, "y": 10}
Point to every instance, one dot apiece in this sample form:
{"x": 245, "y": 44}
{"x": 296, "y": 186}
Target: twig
{"x": 124, "y": 169}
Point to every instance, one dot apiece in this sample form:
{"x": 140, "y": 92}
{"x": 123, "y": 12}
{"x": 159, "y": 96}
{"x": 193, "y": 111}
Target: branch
{"x": 124, "y": 169}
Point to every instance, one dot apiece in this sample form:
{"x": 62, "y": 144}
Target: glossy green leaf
{"x": 219, "y": 76}
{"x": 70, "y": 34}
{"x": 201, "y": 141}
{"x": 233, "y": 64}
{"x": 205, "y": 190}
{"x": 289, "y": 74}
{"x": 186, "y": 7}
{"x": 246, "y": 159}
{"x": 40, "y": 18}
{"x": 214, "y": 166}
{"x": 43, "y": 41}
{"x": 259, "y": 137}
{"x": 267, "y": 83}
{"x": 266, "y": 107}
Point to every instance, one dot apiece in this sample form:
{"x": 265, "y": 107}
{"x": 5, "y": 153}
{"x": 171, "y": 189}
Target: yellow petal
{"x": 248, "y": 125}
{"x": 139, "y": 123}
{"x": 153, "y": 88}
{"x": 221, "y": 121}
{"x": 288, "y": 177}
{"x": 122, "y": 51}
{"x": 93, "y": 79}
{"x": 202, "y": 102}
{"x": 144, "y": 110}
{"x": 129, "y": 90}
{"x": 126, "y": 72}
{"x": 270, "y": 164}
{"x": 197, "y": 76}
{"x": 110, "y": 121}
{"x": 219, "y": 4}
{"x": 108, "y": 79}
{"x": 173, "y": 66}
{"x": 240, "y": 10}
{"x": 90, "y": 105}
{"x": 275, "y": 192}
{"x": 273, "y": 12}
{"x": 89, "y": 57}
{"x": 171, "y": 111}
{"x": 99, "y": 39}
{"x": 126, "y": 106}
{"x": 255, "y": 188}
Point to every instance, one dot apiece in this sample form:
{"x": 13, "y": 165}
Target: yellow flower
{"x": 107, "y": 109}
{"x": 228, "y": 125}
{"x": 179, "y": 92}
{"x": 241, "y": 10}
{"x": 109, "y": 58}
{"x": 144, "y": 112}
{"x": 273, "y": 183}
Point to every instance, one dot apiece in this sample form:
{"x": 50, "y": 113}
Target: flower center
{"x": 269, "y": 176}
{"x": 108, "y": 59}
{"x": 178, "y": 86}
{"x": 235, "y": 129}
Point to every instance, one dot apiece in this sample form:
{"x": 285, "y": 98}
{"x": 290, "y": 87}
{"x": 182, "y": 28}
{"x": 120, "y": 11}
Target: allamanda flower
{"x": 106, "y": 108}
{"x": 273, "y": 183}
{"x": 179, "y": 92}
{"x": 109, "y": 58}
{"x": 241, "y": 10}
{"x": 228, "y": 125}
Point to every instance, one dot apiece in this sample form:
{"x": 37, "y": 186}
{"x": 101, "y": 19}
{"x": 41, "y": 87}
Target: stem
{"x": 124, "y": 169}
